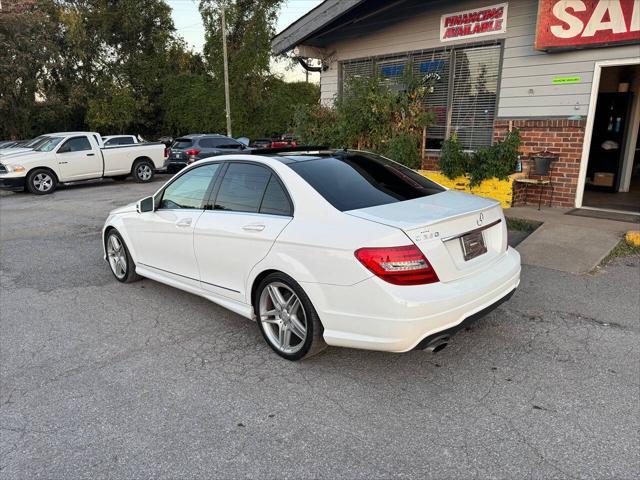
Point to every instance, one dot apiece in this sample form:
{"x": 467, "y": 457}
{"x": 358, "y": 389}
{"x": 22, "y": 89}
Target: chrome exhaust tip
{"x": 437, "y": 344}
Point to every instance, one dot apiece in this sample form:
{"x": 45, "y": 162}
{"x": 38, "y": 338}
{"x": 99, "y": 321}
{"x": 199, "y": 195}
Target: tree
{"x": 25, "y": 57}
{"x": 105, "y": 47}
{"x": 250, "y": 26}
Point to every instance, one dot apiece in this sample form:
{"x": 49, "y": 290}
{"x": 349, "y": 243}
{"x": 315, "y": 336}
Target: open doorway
{"x": 612, "y": 180}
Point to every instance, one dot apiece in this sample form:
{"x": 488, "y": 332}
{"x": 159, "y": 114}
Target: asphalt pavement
{"x": 104, "y": 380}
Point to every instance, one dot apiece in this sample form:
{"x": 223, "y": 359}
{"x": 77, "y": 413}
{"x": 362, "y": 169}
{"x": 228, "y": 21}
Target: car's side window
{"x": 76, "y": 144}
{"x": 275, "y": 200}
{"x": 126, "y": 141}
{"x": 242, "y": 188}
{"x": 189, "y": 190}
{"x": 207, "y": 143}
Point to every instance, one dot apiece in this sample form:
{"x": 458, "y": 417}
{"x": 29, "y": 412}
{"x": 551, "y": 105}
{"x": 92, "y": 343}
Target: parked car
{"x": 22, "y": 146}
{"x": 77, "y": 156}
{"x": 260, "y": 143}
{"x": 286, "y": 140}
{"x": 117, "y": 140}
{"x": 190, "y": 148}
{"x": 167, "y": 140}
{"x": 342, "y": 248}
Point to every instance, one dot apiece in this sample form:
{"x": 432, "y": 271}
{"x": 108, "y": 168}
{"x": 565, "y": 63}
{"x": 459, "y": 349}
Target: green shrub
{"x": 371, "y": 115}
{"x": 403, "y": 148}
{"x": 496, "y": 161}
{"x": 454, "y": 161}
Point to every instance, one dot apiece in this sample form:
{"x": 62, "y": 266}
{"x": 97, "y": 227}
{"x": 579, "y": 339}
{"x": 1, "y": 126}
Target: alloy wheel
{"x": 43, "y": 182}
{"x": 117, "y": 256}
{"x": 144, "y": 172}
{"x": 283, "y": 317}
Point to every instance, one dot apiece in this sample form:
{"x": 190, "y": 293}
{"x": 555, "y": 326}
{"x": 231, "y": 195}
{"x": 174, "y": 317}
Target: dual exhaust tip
{"x": 437, "y": 344}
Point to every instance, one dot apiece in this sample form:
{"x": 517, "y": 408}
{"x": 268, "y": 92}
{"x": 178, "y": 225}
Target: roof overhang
{"x": 303, "y": 28}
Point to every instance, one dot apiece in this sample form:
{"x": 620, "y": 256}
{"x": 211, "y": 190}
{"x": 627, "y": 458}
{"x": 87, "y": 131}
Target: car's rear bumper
{"x": 12, "y": 183}
{"x": 173, "y": 165}
{"x": 376, "y": 315}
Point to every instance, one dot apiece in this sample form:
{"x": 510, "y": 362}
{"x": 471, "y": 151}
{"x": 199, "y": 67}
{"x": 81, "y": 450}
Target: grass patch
{"x": 522, "y": 225}
{"x": 622, "y": 249}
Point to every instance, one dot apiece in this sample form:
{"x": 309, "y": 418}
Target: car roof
{"x": 289, "y": 155}
{"x": 198, "y": 135}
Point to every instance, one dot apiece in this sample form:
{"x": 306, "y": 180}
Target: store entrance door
{"x": 612, "y": 179}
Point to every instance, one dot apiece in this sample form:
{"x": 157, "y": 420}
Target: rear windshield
{"x": 358, "y": 180}
{"x": 182, "y": 143}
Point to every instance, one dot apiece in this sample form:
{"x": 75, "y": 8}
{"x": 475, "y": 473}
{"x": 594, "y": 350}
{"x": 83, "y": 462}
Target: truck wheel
{"x": 143, "y": 171}
{"x": 41, "y": 181}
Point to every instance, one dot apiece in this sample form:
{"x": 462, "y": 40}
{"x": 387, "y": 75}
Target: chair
{"x": 542, "y": 164}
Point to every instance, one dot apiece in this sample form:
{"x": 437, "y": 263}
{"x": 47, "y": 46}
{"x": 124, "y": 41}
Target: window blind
{"x": 433, "y": 68}
{"x": 356, "y": 69}
{"x": 475, "y": 86}
{"x": 462, "y": 83}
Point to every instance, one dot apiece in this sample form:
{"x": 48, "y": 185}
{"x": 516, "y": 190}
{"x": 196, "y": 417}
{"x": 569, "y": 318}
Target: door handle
{"x": 90, "y": 154}
{"x": 254, "y": 227}
{"x": 185, "y": 222}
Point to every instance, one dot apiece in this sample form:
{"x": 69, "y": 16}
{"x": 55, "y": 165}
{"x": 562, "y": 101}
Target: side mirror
{"x": 145, "y": 205}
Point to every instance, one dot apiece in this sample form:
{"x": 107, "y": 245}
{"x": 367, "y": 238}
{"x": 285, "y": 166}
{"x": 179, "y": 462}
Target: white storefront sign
{"x": 478, "y": 22}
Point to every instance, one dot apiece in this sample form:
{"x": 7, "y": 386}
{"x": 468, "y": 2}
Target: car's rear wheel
{"x": 41, "y": 181}
{"x": 143, "y": 171}
{"x": 119, "y": 258}
{"x": 287, "y": 319}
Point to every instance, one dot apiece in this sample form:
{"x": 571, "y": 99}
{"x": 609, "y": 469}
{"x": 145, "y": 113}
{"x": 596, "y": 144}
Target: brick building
{"x": 564, "y": 72}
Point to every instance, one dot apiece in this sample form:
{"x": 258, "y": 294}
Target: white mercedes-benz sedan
{"x": 326, "y": 247}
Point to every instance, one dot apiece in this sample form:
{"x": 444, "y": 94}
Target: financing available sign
{"x": 570, "y": 24}
{"x": 478, "y": 22}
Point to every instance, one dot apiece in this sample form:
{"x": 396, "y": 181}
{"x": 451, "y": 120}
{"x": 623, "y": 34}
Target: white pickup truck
{"x": 75, "y": 156}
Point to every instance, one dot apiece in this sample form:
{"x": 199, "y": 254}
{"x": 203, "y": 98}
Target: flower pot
{"x": 542, "y": 164}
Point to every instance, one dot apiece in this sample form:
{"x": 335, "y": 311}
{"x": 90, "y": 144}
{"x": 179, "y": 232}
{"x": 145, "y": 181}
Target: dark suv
{"x": 190, "y": 148}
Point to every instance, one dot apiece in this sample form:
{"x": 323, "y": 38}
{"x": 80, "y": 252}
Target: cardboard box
{"x": 603, "y": 179}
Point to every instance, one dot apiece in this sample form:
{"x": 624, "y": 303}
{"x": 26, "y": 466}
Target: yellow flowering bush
{"x": 633, "y": 238}
{"x": 501, "y": 190}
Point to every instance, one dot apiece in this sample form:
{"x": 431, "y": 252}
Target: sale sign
{"x": 474, "y": 23}
{"x": 564, "y": 24}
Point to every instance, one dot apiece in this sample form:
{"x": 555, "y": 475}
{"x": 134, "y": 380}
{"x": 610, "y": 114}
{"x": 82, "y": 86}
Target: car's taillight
{"x": 167, "y": 152}
{"x": 398, "y": 265}
{"x": 192, "y": 152}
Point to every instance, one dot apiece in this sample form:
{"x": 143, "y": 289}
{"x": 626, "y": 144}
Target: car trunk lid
{"x": 450, "y": 229}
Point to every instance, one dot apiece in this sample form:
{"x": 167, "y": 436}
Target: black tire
{"x": 41, "y": 181}
{"x": 129, "y": 275}
{"x": 120, "y": 178}
{"x": 314, "y": 342}
{"x": 143, "y": 171}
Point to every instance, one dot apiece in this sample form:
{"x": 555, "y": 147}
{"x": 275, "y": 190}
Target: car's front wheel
{"x": 41, "y": 181}
{"x": 119, "y": 258}
{"x": 287, "y": 319}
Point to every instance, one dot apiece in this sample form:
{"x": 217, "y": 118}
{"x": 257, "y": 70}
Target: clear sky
{"x": 188, "y": 23}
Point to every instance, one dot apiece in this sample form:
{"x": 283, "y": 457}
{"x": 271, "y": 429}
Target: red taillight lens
{"x": 167, "y": 152}
{"x": 398, "y": 265}
{"x": 192, "y": 152}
